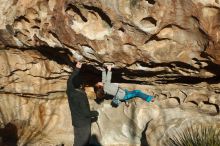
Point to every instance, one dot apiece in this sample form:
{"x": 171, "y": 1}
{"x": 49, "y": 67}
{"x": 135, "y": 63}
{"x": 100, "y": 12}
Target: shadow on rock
{"x": 144, "y": 137}
{"x": 94, "y": 141}
{"x": 9, "y": 135}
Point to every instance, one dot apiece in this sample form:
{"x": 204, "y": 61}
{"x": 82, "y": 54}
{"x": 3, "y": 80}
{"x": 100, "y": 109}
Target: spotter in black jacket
{"x": 78, "y": 102}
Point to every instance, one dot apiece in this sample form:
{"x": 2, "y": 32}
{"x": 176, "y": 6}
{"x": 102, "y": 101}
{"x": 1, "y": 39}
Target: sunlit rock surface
{"x": 168, "y": 48}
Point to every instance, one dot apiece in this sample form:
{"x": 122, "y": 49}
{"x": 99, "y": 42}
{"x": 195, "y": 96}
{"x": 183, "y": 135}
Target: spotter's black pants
{"x": 82, "y": 135}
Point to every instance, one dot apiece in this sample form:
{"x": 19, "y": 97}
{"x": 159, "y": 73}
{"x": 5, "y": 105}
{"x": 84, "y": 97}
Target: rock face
{"x": 167, "y": 48}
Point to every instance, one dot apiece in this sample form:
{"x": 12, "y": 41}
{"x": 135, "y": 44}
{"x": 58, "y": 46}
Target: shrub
{"x": 134, "y": 2}
{"x": 197, "y": 136}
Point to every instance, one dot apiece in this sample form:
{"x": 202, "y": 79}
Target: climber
{"x": 79, "y": 108}
{"x": 113, "y": 89}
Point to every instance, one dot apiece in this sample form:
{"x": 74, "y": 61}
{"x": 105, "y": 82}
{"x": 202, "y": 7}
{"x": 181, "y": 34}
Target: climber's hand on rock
{"x": 109, "y": 67}
{"x": 78, "y": 64}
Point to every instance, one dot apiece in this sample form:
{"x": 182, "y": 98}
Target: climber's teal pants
{"x": 137, "y": 93}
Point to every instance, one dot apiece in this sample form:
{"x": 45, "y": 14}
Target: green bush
{"x": 134, "y": 2}
{"x": 197, "y": 136}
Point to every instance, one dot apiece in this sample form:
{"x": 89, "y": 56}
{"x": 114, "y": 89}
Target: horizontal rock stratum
{"x": 167, "y": 48}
